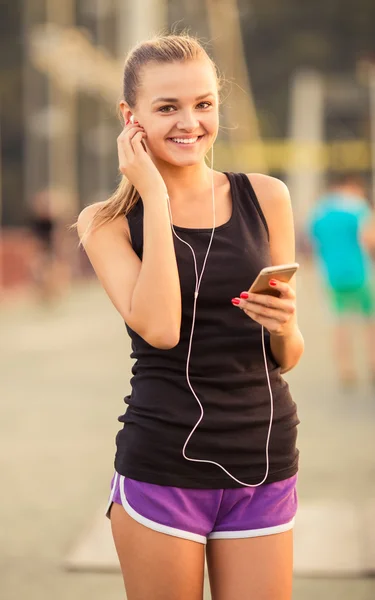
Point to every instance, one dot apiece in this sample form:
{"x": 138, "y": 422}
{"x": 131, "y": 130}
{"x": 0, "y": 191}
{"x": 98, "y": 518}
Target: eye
{"x": 207, "y": 104}
{"x": 165, "y": 108}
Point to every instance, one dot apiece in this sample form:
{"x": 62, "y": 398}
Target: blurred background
{"x": 298, "y": 104}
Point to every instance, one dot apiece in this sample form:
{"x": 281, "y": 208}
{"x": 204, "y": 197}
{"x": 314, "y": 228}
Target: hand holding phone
{"x": 280, "y": 272}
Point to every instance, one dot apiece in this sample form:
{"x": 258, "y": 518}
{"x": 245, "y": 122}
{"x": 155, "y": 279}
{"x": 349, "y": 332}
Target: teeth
{"x": 184, "y": 140}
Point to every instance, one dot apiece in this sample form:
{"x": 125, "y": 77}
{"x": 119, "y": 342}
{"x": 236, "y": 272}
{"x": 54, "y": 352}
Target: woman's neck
{"x": 186, "y": 182}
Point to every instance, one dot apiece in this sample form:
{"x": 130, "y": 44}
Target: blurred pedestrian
{"x": 49, "y": 268}
{"x": 228, "y": 492}
{"x": 342, "y": 231}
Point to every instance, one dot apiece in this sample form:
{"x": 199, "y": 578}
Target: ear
{"x": 125, "y": 111}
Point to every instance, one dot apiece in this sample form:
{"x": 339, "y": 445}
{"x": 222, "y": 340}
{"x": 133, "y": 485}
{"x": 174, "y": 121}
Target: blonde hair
{"x": 160, "y": 49}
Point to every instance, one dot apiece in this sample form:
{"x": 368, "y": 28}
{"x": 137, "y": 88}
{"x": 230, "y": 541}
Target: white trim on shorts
{"x": 181, "y": 533}
{"x": 188, "y": 535}
{"x": 248, "y": 533}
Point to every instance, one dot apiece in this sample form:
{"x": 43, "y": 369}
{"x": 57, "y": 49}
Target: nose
{"x": 188, "y": 121}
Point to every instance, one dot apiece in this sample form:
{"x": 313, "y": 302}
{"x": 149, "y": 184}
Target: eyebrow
{"x": 176, "y": 99}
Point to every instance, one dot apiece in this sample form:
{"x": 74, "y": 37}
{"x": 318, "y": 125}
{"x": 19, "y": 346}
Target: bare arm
{"x": 367, "y": 234}
{"x": 146, "y": 293}
{"x": 273, "y": 196}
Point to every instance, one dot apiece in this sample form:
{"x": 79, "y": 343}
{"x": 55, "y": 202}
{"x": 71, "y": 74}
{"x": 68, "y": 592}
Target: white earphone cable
{"x": 196, "y": 294}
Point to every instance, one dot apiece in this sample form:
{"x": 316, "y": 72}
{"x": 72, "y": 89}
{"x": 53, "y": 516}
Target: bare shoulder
{"x": 274, "y": 199}
{"x": 87, "y": 215}
{"x": 269, "y": 189}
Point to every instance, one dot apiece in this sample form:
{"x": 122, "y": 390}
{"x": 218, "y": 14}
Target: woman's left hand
{"x": 275, "y": 314}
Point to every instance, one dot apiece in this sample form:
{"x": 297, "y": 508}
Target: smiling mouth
{"x": 185, "y": 141}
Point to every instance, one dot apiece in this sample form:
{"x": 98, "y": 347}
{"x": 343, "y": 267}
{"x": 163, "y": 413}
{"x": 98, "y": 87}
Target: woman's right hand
{"x": 136, "y": 164}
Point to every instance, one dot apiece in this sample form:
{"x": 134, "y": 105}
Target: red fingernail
{"x": 273, "y": 282}
{"x": 244, "y": 295}
{"x": 235, "y": 301}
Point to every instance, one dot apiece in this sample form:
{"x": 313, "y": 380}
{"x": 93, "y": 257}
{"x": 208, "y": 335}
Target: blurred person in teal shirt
{"x": 341, "y": 228}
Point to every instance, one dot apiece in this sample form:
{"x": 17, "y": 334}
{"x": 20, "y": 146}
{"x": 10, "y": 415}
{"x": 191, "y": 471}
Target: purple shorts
{"x": 201, "y": 514}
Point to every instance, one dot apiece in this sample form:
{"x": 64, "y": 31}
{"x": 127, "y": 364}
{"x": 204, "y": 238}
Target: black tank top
{"x": 227, "y": 369}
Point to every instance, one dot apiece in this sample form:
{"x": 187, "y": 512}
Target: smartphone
{"x": 280, "y": 272}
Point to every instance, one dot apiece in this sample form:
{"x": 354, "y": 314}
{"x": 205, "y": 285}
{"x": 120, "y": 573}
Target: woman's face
{"x": 177, "y": 105}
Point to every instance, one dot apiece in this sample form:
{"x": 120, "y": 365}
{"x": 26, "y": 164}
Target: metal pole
{"x": 306, "y": 128}
{"x": 138, "y": 21}
{"x": 62, "y": 117}
{"x": 103, "y": 131}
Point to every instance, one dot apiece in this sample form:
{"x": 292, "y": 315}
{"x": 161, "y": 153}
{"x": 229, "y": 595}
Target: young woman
{"x": 192, "y": 468}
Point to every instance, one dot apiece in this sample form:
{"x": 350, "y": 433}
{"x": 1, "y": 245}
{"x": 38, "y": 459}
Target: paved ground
{"x": 63, "y": 375}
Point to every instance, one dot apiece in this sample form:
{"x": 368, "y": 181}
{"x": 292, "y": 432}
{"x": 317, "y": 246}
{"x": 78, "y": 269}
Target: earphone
{"x": 196, "y": 294}
{"x": 132, "y": 119}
